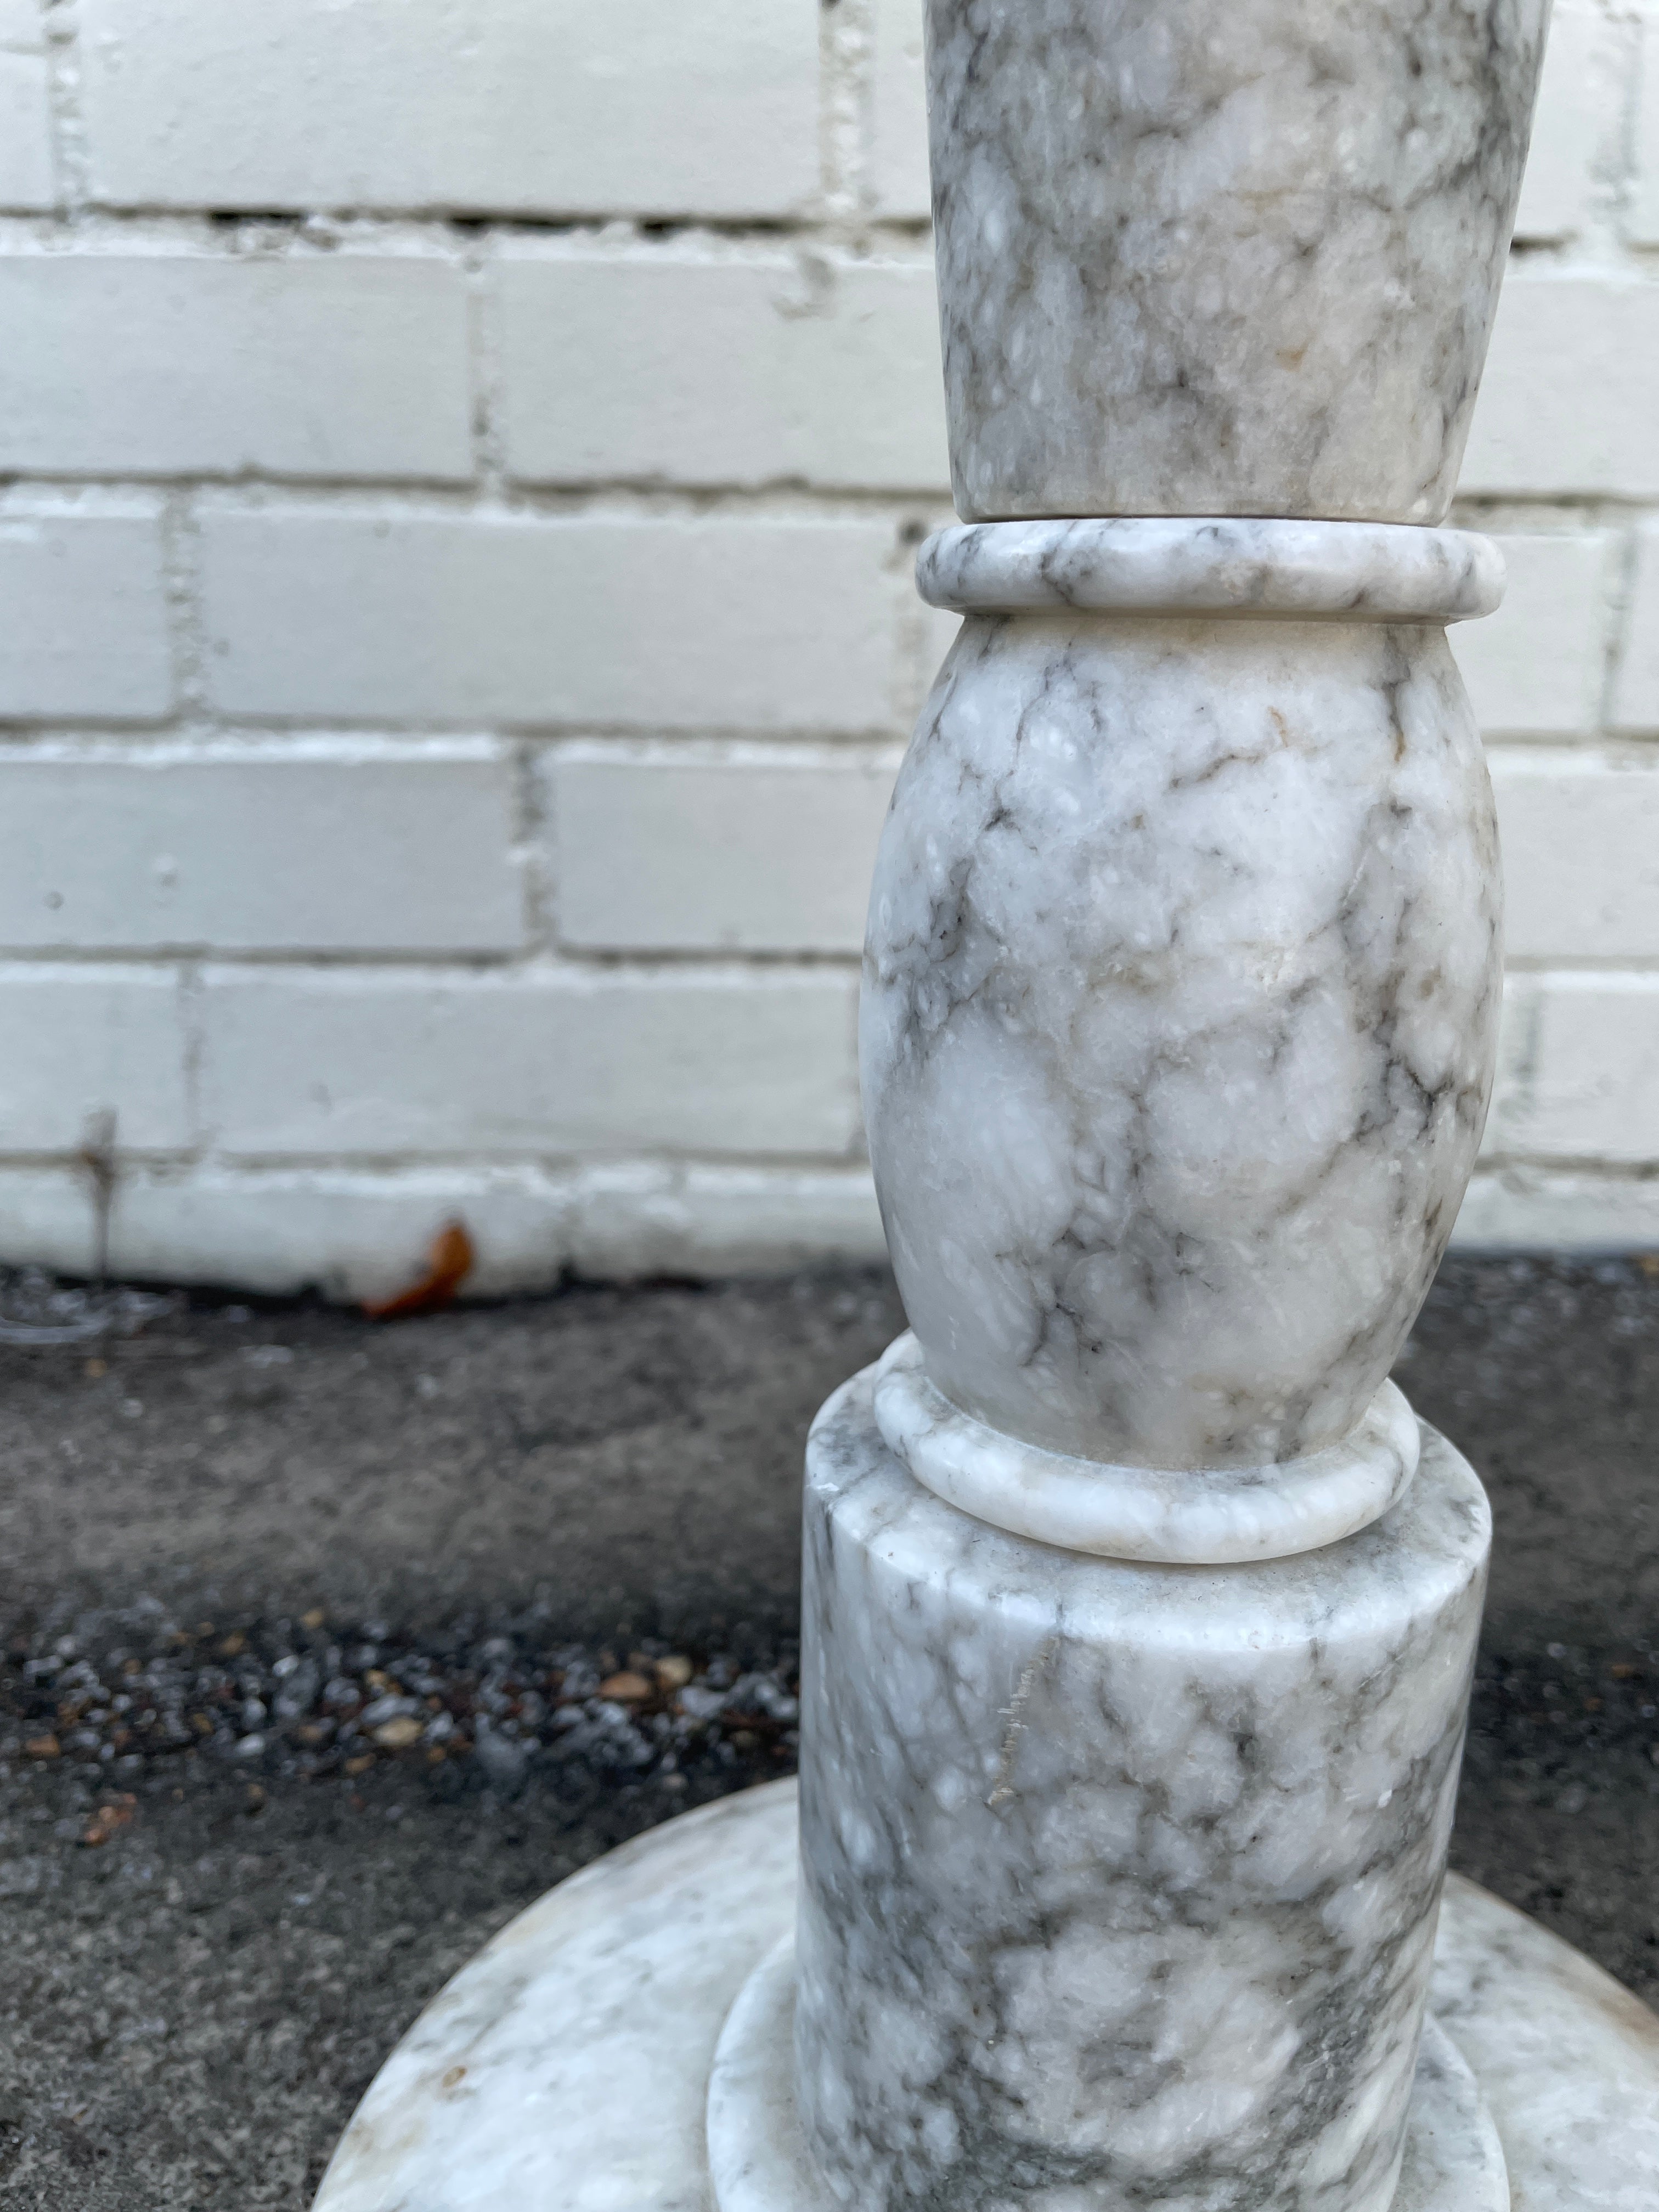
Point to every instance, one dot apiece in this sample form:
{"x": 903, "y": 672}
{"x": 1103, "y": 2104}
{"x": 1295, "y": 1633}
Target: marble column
{"x": 1141, "y": 1608}
{"x": 1140, "y": 1605}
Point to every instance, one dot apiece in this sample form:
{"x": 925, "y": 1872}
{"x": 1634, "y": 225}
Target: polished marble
{"x": 758, "y": 2161}
{"x": 1208, "y": 1518}
{"x": 519, "y": 2089}
{"x": 1117, "y": 1879}
{"x": 1216, "y": 565}
{"x": 1240, "y": 259}
{"x": 1179, "y": 1022}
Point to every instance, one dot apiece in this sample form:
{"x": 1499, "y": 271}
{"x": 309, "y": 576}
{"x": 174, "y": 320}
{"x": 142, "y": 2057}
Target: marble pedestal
{"x": 1118, "y": 1878}
{"x": 568, "y": 2067}
{"x": 1250, "y": 1901}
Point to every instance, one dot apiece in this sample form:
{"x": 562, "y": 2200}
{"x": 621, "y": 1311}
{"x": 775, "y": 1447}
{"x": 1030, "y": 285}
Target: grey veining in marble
{"x": 1567, "y": 2060}
{"x": 1454, "y": 2158}
{"x": 1119, "y": 1882}
{"x": 1178, "y": 1022}
{"x": 758, "y": 2161}
{"x": 520, "y": 2084}
{"x": 1207, "y": 259}
{"x": 1218, "y": 565}
{"x": 1182, "y": 1516}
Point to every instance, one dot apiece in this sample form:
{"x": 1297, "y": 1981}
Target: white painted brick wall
{"x": 26, "y": 162}
{"x": 1537, "y": 666}
{"x": 703, "y": 364}
{"x": 1580, "y": 833}
{"x": 1581, "y": 1068}
{"x": 399, "y": 846}
{"x": 78, "y": 1044}
{"x": 1636, "y": 688}
{"x": 1642, "y": 227}
{"x": 462, "y": 463}
{"x": 716, "y": 847}
{"x": 897, "y": 182}
{"x": 1567, "y": 408}
{"x": 541, "y": 107}
{"x": 419, "y": 616}
{"x": 539, "y": 1062}
{"x": 84, "y": 615}
{"x": 292, "y": 364}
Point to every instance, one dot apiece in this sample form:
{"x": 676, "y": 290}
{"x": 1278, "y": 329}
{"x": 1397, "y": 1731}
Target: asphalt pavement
{"x": 331, "y": 1644}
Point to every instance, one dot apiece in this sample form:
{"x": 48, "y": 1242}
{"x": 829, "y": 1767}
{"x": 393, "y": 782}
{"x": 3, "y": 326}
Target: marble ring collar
{"x": 1381, "y": 572}
{"x": 1204, "y": 1517}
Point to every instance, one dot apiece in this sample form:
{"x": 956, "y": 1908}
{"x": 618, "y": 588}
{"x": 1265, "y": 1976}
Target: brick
{"x": 79, "y": 1042}
{"x": 899, "y": 183}
{"x": 26, "y": 182}
{"x": 749, "y": 848}
{"x": 734, "y": 622}
{"x": 1577, "y": 125}
{"x": 301, "y": 365}
{"x": 389, "y": 847}
{"x": 1529, "y": 1209}
{"x": 1580, "y": 838}
{"x": 637, "y": 1220}
{"x": 360, "y": 1232}
{"x": 642, "y": 107}
{"x": 1535, "y": 668}
{"x": 692, "y": 364}
{"x": 540, "y": 1062}
{"x": 1578, "y": 1069}
{"x": 1636, "y": 686}
{"x": 1559, "y": 338}
{"x": 1642, "y": 224}
{"x": 83, "y": 629}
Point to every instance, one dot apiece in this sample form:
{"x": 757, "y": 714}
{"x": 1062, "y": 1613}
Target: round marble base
{"x": 570, "y": 2064}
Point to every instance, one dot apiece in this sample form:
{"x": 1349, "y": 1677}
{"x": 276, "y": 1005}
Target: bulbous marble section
{"x": 1119, "y": 1882}
{"x": 1221, "y": 259}
{"x": 1178, "y": 1022}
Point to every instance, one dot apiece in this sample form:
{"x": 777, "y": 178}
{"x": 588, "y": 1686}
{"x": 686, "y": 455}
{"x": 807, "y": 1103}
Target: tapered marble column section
{"x": 1221, "y": 257}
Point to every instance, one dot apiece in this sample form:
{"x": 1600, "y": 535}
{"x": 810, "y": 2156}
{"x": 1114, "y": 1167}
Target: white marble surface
{"x": 1118, "y": 1881}
{"x": 1453, "y": 2160}
{"x": 1567, "y": 2060}
{"x": 758, "y": 2161}
{"x": 626, "y": 1975}
{"x": 1221, "y": 259}
{"x": 565, "y": 2069}
{"x": 1355, "y": 571}
{"x": 1178, "y": 1023}
{"x": 1208, "y": 1518}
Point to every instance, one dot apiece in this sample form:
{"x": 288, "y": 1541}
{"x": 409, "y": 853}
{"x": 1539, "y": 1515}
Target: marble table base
{"x": 568, "y": 2067}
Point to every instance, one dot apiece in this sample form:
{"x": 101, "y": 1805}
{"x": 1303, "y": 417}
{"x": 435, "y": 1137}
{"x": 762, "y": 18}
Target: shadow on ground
{"x": 490, "y": 1512}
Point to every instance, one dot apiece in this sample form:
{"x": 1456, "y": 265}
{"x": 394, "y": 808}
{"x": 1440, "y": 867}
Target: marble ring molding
{"x": 1215, "y": 566}
{"x": 1178, "y": 1517}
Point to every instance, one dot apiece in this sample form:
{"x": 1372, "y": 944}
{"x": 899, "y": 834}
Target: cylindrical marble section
{"x": 1178, "y": 1022}
{"x": 1221, "y": 257}
{"x": 1119, "y": 1882}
